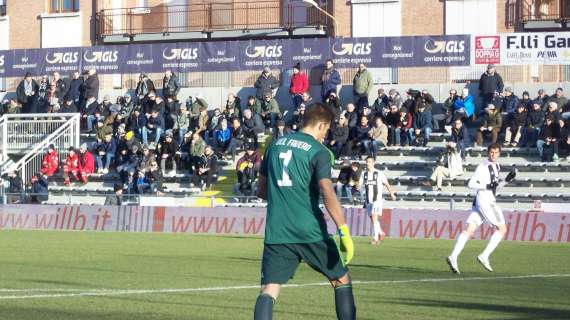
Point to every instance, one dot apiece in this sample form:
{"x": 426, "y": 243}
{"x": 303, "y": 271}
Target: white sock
{"x": 377, "y": 230}
{"x": 459, "y": 245}
{"x": 492, "y": 245}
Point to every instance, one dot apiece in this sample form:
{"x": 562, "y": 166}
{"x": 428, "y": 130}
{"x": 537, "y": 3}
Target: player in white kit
{"x": 485, "y": 181}
{"x": 371, "y": 182}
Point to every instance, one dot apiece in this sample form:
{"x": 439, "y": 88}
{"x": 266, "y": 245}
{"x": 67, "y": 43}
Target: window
{"x": 376, "y": 18}
{"x": 470, "y": 16}
{"x": 64, "y": 6}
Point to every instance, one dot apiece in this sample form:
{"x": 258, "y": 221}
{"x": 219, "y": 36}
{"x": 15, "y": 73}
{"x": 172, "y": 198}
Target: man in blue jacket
{"x": 330, "y": 80}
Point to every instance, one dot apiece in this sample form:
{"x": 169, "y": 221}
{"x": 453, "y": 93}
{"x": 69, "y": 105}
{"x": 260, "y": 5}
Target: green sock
{"x": 344, "y": 300}
{"x": 264, "y": 307}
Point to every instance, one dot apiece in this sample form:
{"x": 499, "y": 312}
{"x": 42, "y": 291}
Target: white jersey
{"x": 485, "y": 207}
{"x": 372, "y": 186}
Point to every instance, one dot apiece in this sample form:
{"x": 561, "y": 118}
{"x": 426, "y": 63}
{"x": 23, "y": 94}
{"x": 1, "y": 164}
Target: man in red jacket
{"x": 299, "y": 85}
{"x": 50, "y": 161}
{"x": 86, "y": 163}
{"x": 71, "y": 167}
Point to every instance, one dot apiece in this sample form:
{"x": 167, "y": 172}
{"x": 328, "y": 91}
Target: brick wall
{"x": 423, "y": 17}
{"x": 25, "y": 23}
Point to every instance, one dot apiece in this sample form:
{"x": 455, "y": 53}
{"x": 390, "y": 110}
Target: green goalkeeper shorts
{"x": 281, "y": 260}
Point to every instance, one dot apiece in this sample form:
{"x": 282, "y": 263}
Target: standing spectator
{"x": 88, "y": 112}
{"x": 167, "y": 151}
{"x": 299, "y": 85}
{"x": 74, "y": 92}
{"x": 334, "y": 103}
{"x": 422, "y": 125}
{"x": 205, "y": 170}
{"x": 491, "y": 124}
{"x": 460, "y": 137}
{"x": 170, "y": 85}
{"x": 233, "y": 107}
{"x": 27, "y": 92}
{"x": 359, "y": 138}
{"x": 330, "y": 79}
{"x": 379, "y": 137}
{"x": 265, "y": 83}
{"x": 50, "y": 162}
{"x": 222, "y": 138}
{"x": 270, "y": 110}
{"x": 154, "y": 126}
{"x": 547, "y": 143}
{"x": 60, "y": 88}
{"x": 40, "y": 189}
{"x": 490, "y": 84}
{"x": 181, "y": 123}
{"x": 535, "y": 121}
{"x": 105, "y": 149}
{"x": 382, "y": 101}
{"x": 43, "y": 94}
{"x": 559, "y": 98}
{"x": 144, "y": 86}
{"x": 247, "y": 169}
{"x": 339, "y": 136}
{"x": 71, "y": 167}
{"x": 86, "y": 164}
{"x": 252, "y": 123}
{"x": 361, "y": 85}
{"x": 348, "y": 180}
{"x": 516, "y": 126}
{"x": 15, "y": 189}
{"x": 91, "y": 84}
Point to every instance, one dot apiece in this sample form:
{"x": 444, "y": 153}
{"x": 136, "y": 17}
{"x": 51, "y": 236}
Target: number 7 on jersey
{"x": 285, "y": 181}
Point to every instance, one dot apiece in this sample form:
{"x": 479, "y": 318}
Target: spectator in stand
{"x": 405, "y": 127}
{"x": 515, "y": 127}
{"x": 298, "y": 118}
{"x": 154, "y": 126}
{"x": 559, "y": 98}
{"x": 379, "y": 137}
{"x": 233, "y": 107}
{"x": 181, "y": 123}
{"x": 150, "y": 181}
{"x": 359, "y": 138}
{"x": 490, "y": 84}
{"x": 74, "y": 92}
{"x": 88, "y": 112}
{"x": 348, "y": 180}
{"x": 167, "y": 152}
{"x": 564, "y": 148}
{"x": 86, "y": 164}
{"x": 299, "y": 85}
{"x": 12, "y": 106}
{"x": 394, "y": 98}
{"x": 393, "y": 123}
{"x": 115, "y": 199}
{"x": 381, "y": 103}
{"x": 27, "y": 92}
{"x": 136, "y": 122}
{"x": 253, "y": 105}
{"x": 237, "y": 137}
{"x": 333, "y": 102}
{"x": 43, "y": 95}
{"x": 103, "y": 130}
{"x": 105, "y": 150}
{"x": 535, "y": 121}
{"x": 252, "y": 123}
{"x": 330, "y": 79}
{"x": 128, "y": 159}
{"x": 50, "y": 162}
{"x": 148, "y": 103}
{"x": 205, "y": 170}
{"x": 281, "y": 130}
{"x": 127, "y": 107}
{"x": 362, "y": 85}
{"x": 542, "y": 98}
{"x": 68, "y": 106}
{"x": 446, "y": 167}
{"x": 553, "y": 111}
{"x": 197, "y": 147}
{"x": 144, "y": 86}
{"x": 306, "y": 100}
{"x": 222, "y": 138}
{"x": 15, "y": 187}
{"x": 526, "y": 101}
{"x": 91, "y": 84}
{"x": 270, "y": 111}
{"x": 351, "y": 116}
{"x": 422, "y": 125}
{"x": 214, "y": 123}
{"x": 196, "y": 111}
{"x": 491, "y": 124}
{"x": 71, "y": 167}
{"x": 449, "y": 106}
{"x": 265, "y": 83}
{"x": 170, "y": 84}
{"x": 148, "y": 157}
{"x": 412, "y": 97}
{"x": 203, "y": 121}
{"x": 60, "y": 87}
{"x": 510, "y": 104}
{"x": 464, "y": 106}
{"x": 547, "y": 143}
{"x": 247, "y": 169}
{"x": 460, "y": 137}
{"x": 339, "y": 136}
{"x": 40, "y": 189}
{"x": 171, "y": 107}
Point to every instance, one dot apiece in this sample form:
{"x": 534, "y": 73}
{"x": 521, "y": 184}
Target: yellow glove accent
{"x": 346, "y": 244}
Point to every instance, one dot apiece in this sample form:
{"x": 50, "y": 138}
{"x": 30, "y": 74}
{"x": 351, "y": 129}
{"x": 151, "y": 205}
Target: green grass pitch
{"x": 61, "y": 275}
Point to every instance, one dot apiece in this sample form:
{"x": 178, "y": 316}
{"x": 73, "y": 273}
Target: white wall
{"x": 62, "y": 30}
{"x": 4, "y": 33}
{"x": 376, "y": 18}
{"x": 471, "y": 16}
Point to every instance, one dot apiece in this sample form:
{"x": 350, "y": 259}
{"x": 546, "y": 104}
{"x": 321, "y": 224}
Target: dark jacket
{"x": 170, "y": 86}
{"x": 91, "y": 86}
{"x": 345, "y": 175}
{"x": 359, "y": 134}
{"x": 489, "y": 84}
{"x": 168, "y": 148}
{"x": 144, "y": 87}
{"x": 351, "y": 118}
{"x": 265, "y": 84}
{"x": 330, "y": 79}
{"x": 550, "y": 131}
{"x": 340, "y": 134}
{"x": 21, "y": 91}
{"x": 60, "y": 89}
{"x": 253, "y": 124}
{"x": 135, "y": 123}
{"x": 72, "y": 108}
{"x": 535, "y": 119}
{"x": 89, "y": 109}
{"x": 74, "y": 91}
{"x": 157, "y": 122}
{"x": 510, "y": 104}
{"x": 518, "y": 119}
{"x": 460, "y": 136}
{"x": 40, "y": 190}
{"x": 423, "y": 120}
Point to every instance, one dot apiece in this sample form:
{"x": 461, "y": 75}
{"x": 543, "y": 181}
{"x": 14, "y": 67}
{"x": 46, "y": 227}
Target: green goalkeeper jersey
{"x": 293, "y": 166}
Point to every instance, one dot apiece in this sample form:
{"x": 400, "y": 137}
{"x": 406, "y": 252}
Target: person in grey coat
{"x": 265, "y": 83}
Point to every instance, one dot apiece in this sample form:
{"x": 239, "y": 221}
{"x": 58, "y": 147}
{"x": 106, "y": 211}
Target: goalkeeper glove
{"x": 346, "y": 244}
{"x": 511, "y": 176}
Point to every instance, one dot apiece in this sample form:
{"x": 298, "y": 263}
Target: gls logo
{"x": 60, "y": 57}
{"x": 453, "y": 46}
{"x": 353, "y": 49}
{"x": 1, "y": 60}
{"x": 100, "y": 56}
{"x": 264, "y": 51}
{"x": 181, "y": 54}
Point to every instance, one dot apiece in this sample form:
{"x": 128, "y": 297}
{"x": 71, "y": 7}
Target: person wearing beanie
{"x": 27, "y": 93}
{"x": 266, "y": 82}
{"x": 50, "y": 162}
{"x": 299, "y": 85}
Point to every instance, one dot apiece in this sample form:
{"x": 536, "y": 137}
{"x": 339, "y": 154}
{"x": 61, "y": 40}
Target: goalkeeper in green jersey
{"x": 295, "y": 171}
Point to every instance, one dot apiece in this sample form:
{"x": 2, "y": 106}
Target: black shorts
{"x": 281, "y": 260}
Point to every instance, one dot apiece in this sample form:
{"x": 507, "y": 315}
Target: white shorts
{"x": 374, "y": 208}
{"x": 488, "y": 212}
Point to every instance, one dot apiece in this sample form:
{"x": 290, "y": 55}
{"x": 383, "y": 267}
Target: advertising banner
{"x": 397, "y": 223}
{"x": 535, "y": 48}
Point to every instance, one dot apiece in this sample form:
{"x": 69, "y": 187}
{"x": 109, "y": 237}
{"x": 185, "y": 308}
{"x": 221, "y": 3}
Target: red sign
{"x": 487, "y": 50}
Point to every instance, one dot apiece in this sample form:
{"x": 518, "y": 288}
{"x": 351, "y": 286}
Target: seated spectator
{"x": 167, "y": 152}
{"x": 564, "y": 148}
{"x": 351, "y": 116}
{"x": 558, "y": 98}
{"x": 339, "y": 136}
{"x": 252, "y": 123}
{"x": 281, "y": 130}
{"x": 542, "y": 99}
{"x": 270, "y": 111}
{"x": 547, "y": 143}
{"x": 535, "y": 121}
{"x": 150, "y": 182}
{"x": 130, "y": 160}
{"x": 86, "y": 164}
{"x": 237, "y": 137}
{"x": 378, "y": 137}
{"x": 68, "y": 106}
{"x": 516, "y": 126}
{"x": 214, "y": 123}
{"x": 422, "y": 125}
{"x": 553, "y": 111}
{"x": 460, "y": 139}
{"x": 526, "y": 101}
{"x": 233, "y": 107}
{"x": 115, "y": 199}
{"x": 247, "y": 169}
{"x": 40, "y": 189}
{"x": 148, "y": 157}
{"x": 15, "y": 188}
{"x": 298, "y": 118}
{"x": 88, "y": 112}
{"x": 102, "y": 130}
{"x": 203, "y": 121}
{"x": 253, "y": 104}
{"x": 171, "y": 107}
{"x": 359, "y": 138}
{"x": 71, "y": 167}
{"x": 222, "y": 138}
{"x": 395, "y": 99}
{"x": 50, "y": 162}
{"x": 154, "y": 126}
{"x": 449, "y": 165}
{"x": 563, "y": 129}
{"x": 510, "y": 104}
{"x": 464, "y": 106}
{"x": 491, "y": 124}
{"x": 348, "y": 180}
{"x": 181, "y": 123}
{"x": 334, "y": 103}
{"x": 136, "y": 122}
{"x": 197, "y": 147}
{"x": 205, "y": 170}
{"x": 405, "y": 128}
{"x": 13, "y": 106}
{"x": 449, "y": 105}
{"x": 381, "y": 102}
{"x": 393, "y": 123}
{"x": 127, "y": 107}
{"x": 105, "y": 150}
